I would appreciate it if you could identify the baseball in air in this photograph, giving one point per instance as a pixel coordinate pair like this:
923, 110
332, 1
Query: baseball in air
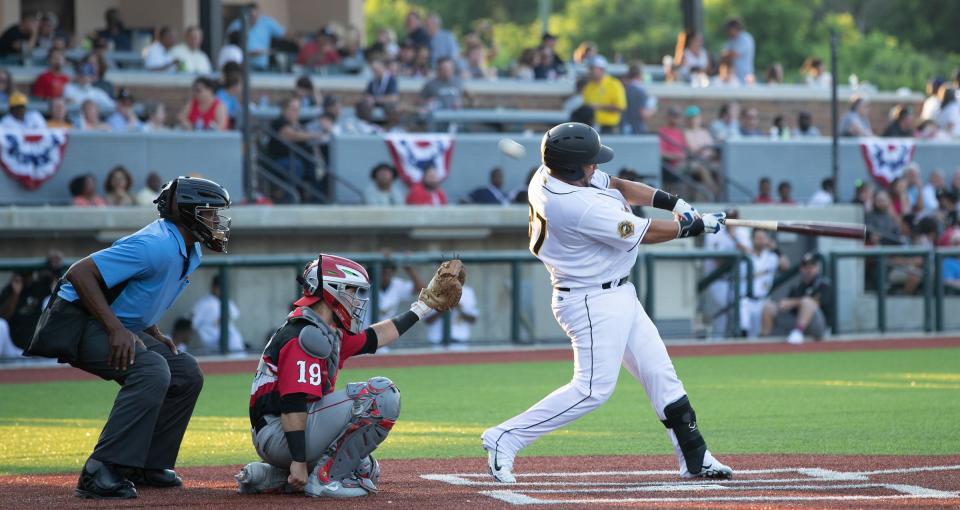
511, 148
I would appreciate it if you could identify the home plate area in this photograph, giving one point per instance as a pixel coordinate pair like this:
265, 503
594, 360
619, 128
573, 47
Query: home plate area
761, 481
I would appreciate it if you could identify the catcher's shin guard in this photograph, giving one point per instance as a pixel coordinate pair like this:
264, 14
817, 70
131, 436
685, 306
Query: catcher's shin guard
376, 406
683, 421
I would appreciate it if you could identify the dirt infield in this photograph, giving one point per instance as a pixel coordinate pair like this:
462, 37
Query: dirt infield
762, 481
65, 373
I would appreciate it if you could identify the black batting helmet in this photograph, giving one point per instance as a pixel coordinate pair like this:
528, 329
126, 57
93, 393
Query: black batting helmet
195, 203
567, 147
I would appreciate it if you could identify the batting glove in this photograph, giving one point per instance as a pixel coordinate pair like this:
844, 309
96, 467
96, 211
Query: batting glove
684, 210
713, 222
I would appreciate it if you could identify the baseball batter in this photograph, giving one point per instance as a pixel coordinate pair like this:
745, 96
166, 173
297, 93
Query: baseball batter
582, 229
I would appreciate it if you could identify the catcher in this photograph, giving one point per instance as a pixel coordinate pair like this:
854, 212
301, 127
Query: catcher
300, 425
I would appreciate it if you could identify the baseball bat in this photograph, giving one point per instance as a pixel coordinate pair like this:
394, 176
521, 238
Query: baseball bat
810, 228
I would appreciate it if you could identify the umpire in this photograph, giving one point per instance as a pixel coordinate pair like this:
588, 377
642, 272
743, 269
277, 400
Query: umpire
103, 319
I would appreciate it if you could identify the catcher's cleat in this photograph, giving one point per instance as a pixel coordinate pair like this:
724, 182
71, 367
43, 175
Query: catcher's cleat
712, 469
260, 477
320, 486
500, 467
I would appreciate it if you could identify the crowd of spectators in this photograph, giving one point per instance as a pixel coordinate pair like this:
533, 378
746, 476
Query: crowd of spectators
118, 189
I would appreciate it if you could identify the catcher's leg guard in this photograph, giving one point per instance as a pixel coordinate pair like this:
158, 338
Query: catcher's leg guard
683, 421
376, 406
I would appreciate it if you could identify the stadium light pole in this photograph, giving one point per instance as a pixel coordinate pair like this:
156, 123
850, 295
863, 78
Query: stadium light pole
544, 9
835, 146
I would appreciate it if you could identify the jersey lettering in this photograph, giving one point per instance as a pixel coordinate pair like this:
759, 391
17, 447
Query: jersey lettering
538, 222
315, 372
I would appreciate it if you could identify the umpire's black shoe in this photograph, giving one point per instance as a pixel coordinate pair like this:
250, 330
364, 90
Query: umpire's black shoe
151, 477
102, 481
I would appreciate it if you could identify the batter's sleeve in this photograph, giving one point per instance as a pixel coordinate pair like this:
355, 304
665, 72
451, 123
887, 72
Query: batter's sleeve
600, 180
607, 222
127, 259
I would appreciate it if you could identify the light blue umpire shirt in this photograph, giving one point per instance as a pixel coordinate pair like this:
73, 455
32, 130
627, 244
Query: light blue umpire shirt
155, 266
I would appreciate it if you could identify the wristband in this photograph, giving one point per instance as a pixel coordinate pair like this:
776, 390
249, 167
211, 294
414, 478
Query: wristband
664, 200
405, 321
297, 442
420, 308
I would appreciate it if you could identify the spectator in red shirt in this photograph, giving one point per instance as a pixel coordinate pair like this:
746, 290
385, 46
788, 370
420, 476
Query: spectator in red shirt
51, 82
673, 144
321, 51
427, 191
765, 192
785, 190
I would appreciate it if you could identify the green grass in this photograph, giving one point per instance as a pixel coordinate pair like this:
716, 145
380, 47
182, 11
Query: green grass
873, 402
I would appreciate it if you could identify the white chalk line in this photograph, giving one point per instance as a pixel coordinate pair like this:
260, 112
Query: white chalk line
521, 499
455, 480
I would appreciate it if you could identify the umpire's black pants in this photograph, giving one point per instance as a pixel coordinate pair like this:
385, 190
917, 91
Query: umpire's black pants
156, 399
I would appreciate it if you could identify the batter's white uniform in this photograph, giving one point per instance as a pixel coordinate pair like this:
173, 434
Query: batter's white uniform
588, 239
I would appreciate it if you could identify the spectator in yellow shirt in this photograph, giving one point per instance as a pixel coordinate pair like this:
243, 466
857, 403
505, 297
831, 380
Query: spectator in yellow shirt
606, 95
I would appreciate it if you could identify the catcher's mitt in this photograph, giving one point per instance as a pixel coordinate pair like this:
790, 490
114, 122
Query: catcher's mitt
444, 290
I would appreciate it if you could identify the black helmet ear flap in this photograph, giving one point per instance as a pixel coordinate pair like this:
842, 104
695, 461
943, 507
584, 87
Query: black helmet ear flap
166, 200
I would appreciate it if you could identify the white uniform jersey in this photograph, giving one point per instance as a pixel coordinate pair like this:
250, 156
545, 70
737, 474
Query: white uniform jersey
586, 236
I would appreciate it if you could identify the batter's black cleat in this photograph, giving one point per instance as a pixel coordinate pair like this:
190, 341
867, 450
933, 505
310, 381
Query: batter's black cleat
151, 477
102, 481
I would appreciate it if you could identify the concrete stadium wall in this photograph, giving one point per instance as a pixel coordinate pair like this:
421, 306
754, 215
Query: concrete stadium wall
806, 162
213, 155
352, 157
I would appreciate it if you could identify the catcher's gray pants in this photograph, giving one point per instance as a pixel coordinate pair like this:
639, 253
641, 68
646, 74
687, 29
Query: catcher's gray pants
156, 399
326, 419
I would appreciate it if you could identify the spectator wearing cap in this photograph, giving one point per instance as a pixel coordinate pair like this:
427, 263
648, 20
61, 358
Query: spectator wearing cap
383, 189
82, 89
931, 105
805, 127
823, 196
57, 114
637, 112
606, 95
740, 48
231, 87
18, 117
262, 30
20, 39
805, 310
51, 82
115, 32
382, 88
124, 119
157, 56
442, 42
492, 193
189, 53
901, 124
856, 122
230, 52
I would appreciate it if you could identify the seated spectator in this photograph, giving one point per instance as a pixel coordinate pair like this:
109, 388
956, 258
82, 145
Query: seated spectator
89, 119
230, 52
805, 125
49, 34
124, 119
445, 92
384, 189
528, 61
779, 130
814, 75
320, 51
725, 77
427, 191
637, 113
83, 189
606, 95
913, 190
416, 33
823, 196
204, 112
230, 91
22, 302
118, 187
21, 38
520, 194
492, 193
351, 51
576, 99
750, 122
767, 262
673, 143
384, 46
18, 117
949, 117
785, 192
182, 334
82, 89
764, 191
421, 63
382, 88
585, 52
291, 131
552, 65
884, 226
262, 30
462, 318
902, 123
6, 85
51, 82
101, 65
726, 127
158, 56
57, 114
362, 123
856, 122
149, 193
931, 192
205, 320
690, 55
475, 65
190, 54
307, 93
805, 309
931, 105
774, 74
443, 44
864, 195
156, 118
702, 152
115, 32
930, 131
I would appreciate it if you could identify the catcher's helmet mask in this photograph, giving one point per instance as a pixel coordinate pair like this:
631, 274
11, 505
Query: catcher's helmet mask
340, 283
195, 204
566, 148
